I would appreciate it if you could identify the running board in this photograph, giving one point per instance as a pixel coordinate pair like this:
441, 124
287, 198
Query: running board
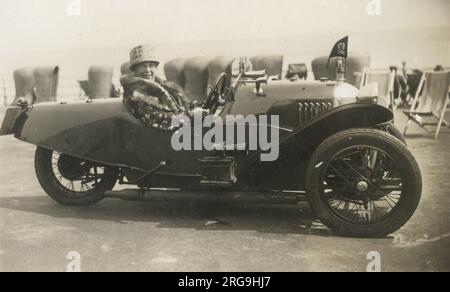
267, 197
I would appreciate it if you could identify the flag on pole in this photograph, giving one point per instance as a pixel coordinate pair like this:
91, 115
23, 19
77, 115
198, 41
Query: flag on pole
339, 49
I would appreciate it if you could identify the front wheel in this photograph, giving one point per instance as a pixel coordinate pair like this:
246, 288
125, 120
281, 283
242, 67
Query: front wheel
392, 129
72, 181
363, 183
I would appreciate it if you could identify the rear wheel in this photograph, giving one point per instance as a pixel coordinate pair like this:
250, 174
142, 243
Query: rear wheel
72, 181
363, 183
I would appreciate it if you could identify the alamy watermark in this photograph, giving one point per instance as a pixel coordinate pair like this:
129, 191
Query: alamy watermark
74, 259
74, 8
234, 133
374, 259
374, 8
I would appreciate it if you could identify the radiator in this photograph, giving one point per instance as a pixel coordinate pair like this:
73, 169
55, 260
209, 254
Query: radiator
308, 110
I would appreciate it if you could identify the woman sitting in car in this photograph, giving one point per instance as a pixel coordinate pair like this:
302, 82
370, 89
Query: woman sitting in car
150, 98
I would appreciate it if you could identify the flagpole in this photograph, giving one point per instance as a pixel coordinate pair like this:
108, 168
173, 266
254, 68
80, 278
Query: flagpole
340, 69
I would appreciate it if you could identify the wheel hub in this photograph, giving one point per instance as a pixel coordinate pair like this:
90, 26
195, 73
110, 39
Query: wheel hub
71, 168
362, 186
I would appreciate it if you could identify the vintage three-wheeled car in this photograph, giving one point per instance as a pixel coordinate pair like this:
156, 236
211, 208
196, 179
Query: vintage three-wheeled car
338, 147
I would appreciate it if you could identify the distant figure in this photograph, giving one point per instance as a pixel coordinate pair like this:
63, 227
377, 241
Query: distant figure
404, 71
401, 88
439, 68
297, 72
414, 81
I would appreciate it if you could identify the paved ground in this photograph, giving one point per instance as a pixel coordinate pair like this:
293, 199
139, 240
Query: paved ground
36, 234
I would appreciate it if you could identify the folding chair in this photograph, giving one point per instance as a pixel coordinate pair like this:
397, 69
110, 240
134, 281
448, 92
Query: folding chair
432, 103
385, 81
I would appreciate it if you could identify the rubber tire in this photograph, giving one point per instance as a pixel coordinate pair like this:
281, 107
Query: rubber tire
51, 185
412, 182
392, 129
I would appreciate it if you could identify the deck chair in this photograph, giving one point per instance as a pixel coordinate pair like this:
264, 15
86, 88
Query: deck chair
432, 103
385, 81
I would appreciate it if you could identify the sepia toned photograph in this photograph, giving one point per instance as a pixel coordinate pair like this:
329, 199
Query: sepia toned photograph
240, 137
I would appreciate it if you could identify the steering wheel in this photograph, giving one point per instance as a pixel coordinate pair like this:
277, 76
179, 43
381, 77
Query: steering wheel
217, 93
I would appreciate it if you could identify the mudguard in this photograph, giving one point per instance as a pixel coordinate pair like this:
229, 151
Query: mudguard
103, 131
297, 146
354, 115
307, 137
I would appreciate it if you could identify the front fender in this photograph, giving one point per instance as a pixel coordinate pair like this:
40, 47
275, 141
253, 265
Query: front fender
355, 115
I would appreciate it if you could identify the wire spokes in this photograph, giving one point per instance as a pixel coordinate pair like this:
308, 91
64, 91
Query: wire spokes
362, 184
74, 174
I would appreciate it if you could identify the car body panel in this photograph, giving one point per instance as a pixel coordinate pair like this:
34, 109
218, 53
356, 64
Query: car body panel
104, 131
9, 121
248, 102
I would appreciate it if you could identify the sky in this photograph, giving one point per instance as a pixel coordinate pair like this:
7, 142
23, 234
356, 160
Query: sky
29, 25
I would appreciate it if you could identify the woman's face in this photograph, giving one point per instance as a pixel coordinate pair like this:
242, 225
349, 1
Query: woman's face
146, 70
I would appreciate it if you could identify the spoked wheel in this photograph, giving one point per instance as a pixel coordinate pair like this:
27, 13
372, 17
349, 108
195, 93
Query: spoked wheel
363, 182
72, 181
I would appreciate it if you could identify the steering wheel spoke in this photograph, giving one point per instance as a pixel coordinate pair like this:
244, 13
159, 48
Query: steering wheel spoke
217, 93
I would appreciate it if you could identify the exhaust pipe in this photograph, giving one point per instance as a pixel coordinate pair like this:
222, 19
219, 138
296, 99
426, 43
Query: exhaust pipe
268, 197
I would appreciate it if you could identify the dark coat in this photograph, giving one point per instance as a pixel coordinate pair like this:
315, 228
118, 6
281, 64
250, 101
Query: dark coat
153, 102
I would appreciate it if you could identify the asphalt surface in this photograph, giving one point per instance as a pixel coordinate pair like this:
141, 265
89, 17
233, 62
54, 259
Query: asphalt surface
36, 234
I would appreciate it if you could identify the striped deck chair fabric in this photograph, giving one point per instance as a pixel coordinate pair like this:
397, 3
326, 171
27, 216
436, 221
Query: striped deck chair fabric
431, 103
385, 81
